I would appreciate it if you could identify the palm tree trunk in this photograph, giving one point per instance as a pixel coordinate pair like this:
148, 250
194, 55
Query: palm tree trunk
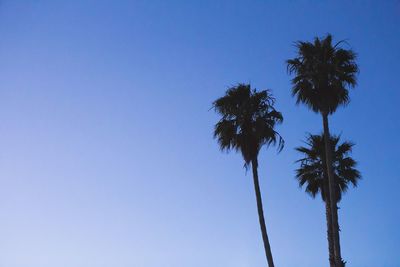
267, 247
328, 212
332, 192
336, 223
329, 226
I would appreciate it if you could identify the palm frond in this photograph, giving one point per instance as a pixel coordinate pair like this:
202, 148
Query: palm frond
248, 121
323, 73
312, 171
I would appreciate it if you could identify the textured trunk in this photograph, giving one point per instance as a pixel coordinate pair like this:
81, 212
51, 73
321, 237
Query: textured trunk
267, 247
328, 213
332, 192
329, 227
336, 224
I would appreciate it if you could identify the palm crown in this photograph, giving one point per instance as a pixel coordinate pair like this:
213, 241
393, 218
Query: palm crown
248, 121
313, 168
323, 74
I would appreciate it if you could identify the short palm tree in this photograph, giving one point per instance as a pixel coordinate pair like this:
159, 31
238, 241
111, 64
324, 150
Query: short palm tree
312, 174
323, 74
247, 123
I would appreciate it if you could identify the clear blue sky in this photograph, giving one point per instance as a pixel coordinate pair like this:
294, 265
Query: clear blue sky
106, 150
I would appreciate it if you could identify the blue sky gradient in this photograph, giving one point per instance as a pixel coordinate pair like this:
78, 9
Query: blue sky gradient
106, 150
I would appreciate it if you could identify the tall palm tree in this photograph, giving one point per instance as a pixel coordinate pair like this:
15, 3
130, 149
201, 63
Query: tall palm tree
312, 174
323, 74
247, 123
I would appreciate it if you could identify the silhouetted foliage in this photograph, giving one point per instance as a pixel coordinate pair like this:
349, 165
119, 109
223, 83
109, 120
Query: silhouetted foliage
323, 74
248, 121
312, 171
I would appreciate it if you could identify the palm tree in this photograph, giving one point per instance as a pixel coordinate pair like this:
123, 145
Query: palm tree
323, 73
247, 123
312, 174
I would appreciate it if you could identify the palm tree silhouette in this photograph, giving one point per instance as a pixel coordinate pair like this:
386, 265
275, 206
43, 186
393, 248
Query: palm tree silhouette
323, 74
312, 174
247, 123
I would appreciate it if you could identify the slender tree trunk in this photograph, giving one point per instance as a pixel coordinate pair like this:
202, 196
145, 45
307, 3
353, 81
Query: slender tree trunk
329, 226
328, 213
267, 247
336, 224
332, 192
